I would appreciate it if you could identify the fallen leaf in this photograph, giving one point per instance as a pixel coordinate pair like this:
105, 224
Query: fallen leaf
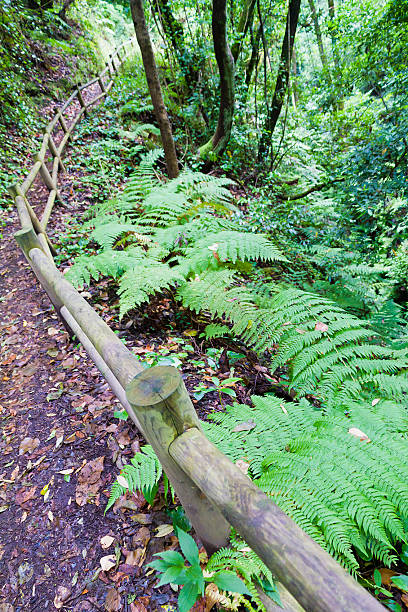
24, 495
357, 433
137, 606
323, 327
243, 466
89, 481
247, 426
112, 602
25, 573
122, 481
135, 557
386, 575
28, 445
163, 530
107, 562
107, 541
375, 401
142, 537
61, 596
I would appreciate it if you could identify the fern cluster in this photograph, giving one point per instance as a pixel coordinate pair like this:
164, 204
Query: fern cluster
182, 235
342, 479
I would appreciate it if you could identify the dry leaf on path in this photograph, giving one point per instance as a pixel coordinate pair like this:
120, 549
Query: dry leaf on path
163, 530
107, 562
89, 481
107, 541
28, 445
135, 557
138, 606
112, 602
61, 596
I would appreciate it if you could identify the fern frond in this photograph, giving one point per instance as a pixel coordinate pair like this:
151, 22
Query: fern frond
108, 263
346, 493
142, 475
148, 278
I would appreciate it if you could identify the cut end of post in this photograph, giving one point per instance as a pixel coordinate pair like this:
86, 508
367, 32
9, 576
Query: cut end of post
153, 385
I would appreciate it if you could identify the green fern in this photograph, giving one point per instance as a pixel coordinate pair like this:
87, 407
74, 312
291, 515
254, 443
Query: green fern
138, 284
242, 560
143, 475
107, 263
347, 493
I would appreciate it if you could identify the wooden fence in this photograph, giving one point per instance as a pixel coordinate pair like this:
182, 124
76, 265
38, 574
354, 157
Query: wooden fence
213, 491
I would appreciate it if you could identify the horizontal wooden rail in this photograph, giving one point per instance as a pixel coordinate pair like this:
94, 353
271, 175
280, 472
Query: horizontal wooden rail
27, 216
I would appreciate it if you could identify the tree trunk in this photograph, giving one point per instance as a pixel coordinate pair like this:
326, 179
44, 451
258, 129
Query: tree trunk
63, 12
244, 24
225, 63
320, 44
254, 56
174, 32
152, 77
282, 81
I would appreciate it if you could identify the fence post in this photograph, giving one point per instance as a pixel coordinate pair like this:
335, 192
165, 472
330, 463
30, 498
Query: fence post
54, 152
101, 84
164, 409
113, 63
81, 98
64, 126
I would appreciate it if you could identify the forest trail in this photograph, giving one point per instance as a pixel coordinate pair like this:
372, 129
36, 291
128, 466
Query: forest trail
57, 416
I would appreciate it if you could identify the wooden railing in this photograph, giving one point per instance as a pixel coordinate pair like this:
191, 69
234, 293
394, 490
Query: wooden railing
213, 491
49, 160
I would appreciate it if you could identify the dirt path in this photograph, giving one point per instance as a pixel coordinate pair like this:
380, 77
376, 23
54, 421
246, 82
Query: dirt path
60, 450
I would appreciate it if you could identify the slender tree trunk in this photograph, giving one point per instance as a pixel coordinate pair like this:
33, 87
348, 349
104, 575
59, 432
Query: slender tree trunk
226, 67
174, 32
295, 94
244, 24
332, 16
320, 44
152, 77
63, 12
254, 56
282, 81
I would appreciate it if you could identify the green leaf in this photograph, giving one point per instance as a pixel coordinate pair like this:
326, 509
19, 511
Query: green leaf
121, 414
400, 581
187, 597
174, 574
404, 554
159, 565
188, 546
228, 581
377, 578
227, 391
172, 557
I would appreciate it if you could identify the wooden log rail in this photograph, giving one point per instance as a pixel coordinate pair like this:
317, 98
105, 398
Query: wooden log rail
213, 491
49, 170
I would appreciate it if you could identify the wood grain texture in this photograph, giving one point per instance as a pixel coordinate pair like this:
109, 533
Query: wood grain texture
164, 409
